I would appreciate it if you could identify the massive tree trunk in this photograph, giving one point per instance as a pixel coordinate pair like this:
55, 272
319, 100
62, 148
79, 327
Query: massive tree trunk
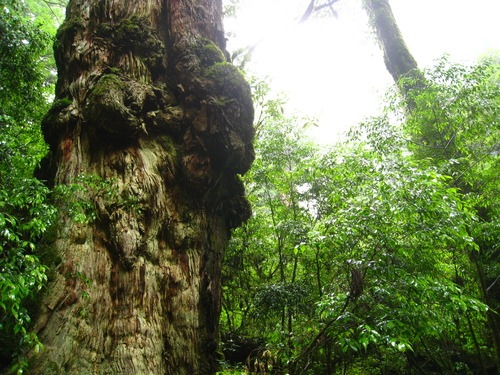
147, 102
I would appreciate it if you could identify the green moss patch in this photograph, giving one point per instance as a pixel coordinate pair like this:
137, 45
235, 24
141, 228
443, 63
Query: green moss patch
137, 35
119, 106
58, 119
70, 27
106, 109
228, 81
207, 52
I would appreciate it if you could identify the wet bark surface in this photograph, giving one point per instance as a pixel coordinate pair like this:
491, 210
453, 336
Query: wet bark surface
397, 57
145, 101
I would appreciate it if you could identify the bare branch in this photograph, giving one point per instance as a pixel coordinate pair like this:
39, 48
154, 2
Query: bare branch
312, 8
493, 283
60, 3
328, 4
308, 12
56, 3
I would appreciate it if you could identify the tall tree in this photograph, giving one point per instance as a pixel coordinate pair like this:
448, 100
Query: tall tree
146, 102
397, 57
441, 143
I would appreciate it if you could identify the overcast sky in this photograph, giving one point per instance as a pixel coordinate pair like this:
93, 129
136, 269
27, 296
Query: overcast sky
331, 67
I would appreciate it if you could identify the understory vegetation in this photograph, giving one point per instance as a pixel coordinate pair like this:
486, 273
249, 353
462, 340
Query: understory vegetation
377, 255
25, 214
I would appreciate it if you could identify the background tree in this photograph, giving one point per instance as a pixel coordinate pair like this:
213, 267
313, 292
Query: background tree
445, 126
383, 280
397, 58
263, 278
146, 103
456, 127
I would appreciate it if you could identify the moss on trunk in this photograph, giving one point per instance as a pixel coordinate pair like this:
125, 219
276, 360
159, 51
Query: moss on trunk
147, 103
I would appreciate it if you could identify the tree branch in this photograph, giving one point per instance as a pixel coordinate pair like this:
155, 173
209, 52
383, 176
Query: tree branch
308, 11
328, 4
311, 8
50, 4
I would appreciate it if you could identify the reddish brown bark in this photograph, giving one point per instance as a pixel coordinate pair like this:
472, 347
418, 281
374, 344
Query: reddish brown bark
145, 101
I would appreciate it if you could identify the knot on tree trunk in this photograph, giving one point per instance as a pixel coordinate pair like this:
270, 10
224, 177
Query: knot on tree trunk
219, 98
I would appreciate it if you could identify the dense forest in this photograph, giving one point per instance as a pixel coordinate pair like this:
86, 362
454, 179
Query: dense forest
379, 254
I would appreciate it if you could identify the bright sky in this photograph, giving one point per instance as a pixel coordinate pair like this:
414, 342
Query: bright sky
331, 67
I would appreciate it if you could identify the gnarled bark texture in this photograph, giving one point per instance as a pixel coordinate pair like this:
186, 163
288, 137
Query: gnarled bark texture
147, 102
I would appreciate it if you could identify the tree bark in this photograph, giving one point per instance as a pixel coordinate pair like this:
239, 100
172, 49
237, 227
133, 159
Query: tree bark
397, 57
146, 101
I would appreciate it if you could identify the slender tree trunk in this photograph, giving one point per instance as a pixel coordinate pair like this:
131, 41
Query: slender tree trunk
145, 101
401, 64
397, 57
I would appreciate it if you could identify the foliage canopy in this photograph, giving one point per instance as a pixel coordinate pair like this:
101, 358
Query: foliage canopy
366, 256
